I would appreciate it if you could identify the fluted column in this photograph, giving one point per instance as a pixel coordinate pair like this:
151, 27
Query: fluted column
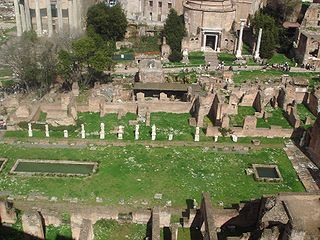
23, 18
38, 18
59, 13
70, 16
49, 18
27, 14
239, 50
18, 18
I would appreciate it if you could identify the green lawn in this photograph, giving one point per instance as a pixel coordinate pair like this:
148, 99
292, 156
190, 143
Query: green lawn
279, 58
196, 59
304, 112
56, 233
136, 173
112, 230
227, 58
278, 118
243, 111
265, 75
163, 121
184, 234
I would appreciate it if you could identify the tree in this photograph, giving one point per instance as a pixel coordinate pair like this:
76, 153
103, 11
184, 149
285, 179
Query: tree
33, 60
109, 22
270, 33
174, 31
88, 58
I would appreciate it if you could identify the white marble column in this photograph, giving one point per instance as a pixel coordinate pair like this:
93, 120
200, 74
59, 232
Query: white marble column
27, 14
59, 13
23, 18
38, 18
257, 52
70, 16
239, 50
18, 17
49, 18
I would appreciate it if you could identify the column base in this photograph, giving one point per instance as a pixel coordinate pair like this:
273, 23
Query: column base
239, 54
257, 56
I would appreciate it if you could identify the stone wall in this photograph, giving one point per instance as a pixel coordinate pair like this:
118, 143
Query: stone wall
314, 145
257, 132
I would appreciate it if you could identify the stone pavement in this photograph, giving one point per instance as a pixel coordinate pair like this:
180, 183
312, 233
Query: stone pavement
308, 172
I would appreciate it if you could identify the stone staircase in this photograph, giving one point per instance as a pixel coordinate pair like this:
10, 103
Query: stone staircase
211, 58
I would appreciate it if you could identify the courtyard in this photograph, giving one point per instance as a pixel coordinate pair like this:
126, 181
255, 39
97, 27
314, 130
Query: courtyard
133, 175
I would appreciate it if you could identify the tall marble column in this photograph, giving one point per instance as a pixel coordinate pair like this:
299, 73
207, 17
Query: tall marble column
59, 13
23, 18
257, 52
70, 16
18, 17
38, 18
49, 18
239, 50
27, 14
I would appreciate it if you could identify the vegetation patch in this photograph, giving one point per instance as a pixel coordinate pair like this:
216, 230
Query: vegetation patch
111, 229
58, 233
136, 173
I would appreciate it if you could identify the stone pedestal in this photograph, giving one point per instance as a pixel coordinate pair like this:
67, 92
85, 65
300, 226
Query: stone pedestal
234, 138
83, 132
216, 138
30, 130
120, 132
197, 135
154, 132
102, 132
136, 133
65, 134
47, 130
170, 137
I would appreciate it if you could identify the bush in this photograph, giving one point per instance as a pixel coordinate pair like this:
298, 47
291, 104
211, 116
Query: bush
175, 56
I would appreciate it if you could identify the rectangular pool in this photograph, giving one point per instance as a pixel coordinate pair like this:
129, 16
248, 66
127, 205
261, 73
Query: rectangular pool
53, 167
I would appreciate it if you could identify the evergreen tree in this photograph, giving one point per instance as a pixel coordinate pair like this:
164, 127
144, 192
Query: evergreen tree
174, 31
270, 33
109, 22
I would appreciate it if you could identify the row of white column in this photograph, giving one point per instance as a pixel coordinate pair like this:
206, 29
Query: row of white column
24, 20
239, 47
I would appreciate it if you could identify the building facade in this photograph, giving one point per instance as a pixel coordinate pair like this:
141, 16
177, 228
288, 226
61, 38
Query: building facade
308, 39
48, 17
209, 22
150, 12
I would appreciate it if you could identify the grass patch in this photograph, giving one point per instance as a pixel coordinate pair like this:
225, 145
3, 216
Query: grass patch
280, 58
304, 112
227, 58
278, 118
243, 111
61, 232
265, 75
146, 44
196, 59
136, 173
184, 234
42, 117
4, 72
110, 229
